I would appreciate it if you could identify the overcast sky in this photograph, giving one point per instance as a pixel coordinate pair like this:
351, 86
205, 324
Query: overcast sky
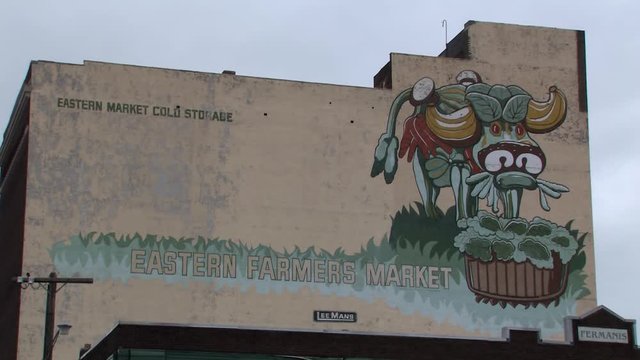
346, 42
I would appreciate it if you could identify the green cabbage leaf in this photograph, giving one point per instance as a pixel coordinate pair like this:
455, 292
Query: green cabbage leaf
487, 235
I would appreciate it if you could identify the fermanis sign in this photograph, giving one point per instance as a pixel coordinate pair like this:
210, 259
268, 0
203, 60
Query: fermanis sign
190, 239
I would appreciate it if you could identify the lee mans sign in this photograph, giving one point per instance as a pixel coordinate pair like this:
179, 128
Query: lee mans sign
334, 316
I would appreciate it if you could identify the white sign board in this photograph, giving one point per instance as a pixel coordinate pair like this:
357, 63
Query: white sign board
596, 334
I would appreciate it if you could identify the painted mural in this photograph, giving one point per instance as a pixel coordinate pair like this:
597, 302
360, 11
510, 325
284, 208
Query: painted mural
476, 264
474, 138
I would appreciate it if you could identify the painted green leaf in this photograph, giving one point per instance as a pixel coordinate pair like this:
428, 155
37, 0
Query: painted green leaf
516, 226
578, 262
515, 110
504, 250
505, 235
534, 249
436, 167
486, 108
490, 223
481, 88
434, 163
562, 241
446, 108
517, 90
479, 248
539, 230
501, 93
453, 96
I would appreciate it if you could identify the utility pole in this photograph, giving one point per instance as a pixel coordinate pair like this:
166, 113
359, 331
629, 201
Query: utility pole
51, 285
50, 315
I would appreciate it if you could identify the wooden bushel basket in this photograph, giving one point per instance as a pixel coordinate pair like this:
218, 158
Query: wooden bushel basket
507, 282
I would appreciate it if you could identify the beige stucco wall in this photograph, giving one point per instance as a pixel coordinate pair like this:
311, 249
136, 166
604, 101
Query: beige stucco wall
292, 169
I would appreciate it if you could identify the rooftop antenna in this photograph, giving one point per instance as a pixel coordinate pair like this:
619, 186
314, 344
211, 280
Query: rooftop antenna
446, 38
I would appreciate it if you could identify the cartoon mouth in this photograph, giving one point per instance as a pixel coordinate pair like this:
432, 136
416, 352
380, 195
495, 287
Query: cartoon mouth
512, 157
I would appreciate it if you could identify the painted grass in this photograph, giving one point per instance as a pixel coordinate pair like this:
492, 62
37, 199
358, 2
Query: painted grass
412, 241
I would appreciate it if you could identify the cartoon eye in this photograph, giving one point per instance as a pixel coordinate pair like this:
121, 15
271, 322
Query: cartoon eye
496, 129
520, 131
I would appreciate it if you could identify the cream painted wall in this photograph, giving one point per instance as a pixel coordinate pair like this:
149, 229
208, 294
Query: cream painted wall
291, 169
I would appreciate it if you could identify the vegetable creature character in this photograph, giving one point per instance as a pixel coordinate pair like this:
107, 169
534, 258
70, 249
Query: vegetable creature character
474, 138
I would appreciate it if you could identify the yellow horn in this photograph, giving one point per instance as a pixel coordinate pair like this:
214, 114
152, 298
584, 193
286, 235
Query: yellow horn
543, 117
459, 128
